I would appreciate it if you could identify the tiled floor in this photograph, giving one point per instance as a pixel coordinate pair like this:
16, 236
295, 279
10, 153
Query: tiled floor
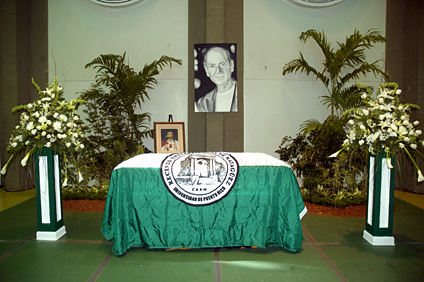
333, 250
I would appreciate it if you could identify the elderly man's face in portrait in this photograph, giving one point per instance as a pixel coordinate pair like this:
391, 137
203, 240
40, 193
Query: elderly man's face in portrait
218, 66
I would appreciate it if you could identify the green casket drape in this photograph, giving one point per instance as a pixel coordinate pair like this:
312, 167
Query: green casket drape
262, 210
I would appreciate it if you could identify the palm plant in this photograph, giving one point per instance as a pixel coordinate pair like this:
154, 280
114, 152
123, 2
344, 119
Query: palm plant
340, 68
127, 92
117, 124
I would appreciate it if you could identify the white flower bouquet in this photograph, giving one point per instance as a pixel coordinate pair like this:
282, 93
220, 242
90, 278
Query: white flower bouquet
383, 125
49, 121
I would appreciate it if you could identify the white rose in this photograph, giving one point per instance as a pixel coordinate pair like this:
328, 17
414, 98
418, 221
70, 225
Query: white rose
55, 115
81, 146
365, 112
29, 106
416, 123
63, 118
418, 132
361, 142
57, 125
43, 133
48, 144
76, 118
68, 144
381, 117
37, 114
401, 145
34, 131
364, 96
30, 125
27, 143
38, 127
14, 144
407, 139
42, 119
413, 146
398, 91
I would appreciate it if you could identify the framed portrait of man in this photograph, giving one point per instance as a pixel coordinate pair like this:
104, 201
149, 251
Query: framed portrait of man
169, 137
215, 77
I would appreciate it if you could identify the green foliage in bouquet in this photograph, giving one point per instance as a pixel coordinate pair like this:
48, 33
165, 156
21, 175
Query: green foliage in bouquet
327, 181
116, 123
383, 124
49, 121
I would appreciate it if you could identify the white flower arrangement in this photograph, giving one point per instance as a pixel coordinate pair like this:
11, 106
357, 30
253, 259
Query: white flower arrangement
49, 121
383, 125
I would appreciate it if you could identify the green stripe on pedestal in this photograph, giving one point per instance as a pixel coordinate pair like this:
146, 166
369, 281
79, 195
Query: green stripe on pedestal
49, 196
381, 180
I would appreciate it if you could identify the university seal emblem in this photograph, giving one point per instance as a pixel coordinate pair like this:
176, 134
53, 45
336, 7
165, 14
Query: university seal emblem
199, 179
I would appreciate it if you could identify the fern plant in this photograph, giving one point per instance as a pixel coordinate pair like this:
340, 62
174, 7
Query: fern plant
339, 70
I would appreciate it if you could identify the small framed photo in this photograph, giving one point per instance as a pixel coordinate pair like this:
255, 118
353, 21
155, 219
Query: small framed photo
169, 137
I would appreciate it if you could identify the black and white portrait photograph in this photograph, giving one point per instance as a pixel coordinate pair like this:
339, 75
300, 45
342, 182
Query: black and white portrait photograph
215, 77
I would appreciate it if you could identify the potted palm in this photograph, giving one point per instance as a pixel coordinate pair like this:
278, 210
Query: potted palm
340, 69
116, 121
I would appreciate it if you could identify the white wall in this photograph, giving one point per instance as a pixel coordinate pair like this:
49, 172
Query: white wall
80, 30
275, 106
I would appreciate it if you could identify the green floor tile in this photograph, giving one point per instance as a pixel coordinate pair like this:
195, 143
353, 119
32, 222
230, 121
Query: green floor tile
334, 228
161, 265
376, 263
407, 222
83, 226
53, 261
5, 247
273, 264
19, 222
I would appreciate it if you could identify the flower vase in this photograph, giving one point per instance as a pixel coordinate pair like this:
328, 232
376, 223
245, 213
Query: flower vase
49, 195
381, 182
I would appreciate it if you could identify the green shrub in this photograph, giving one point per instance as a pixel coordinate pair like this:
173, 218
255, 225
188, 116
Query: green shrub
337, 181
116, 124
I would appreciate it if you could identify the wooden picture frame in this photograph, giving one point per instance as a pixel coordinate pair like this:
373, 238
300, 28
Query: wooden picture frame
169, 137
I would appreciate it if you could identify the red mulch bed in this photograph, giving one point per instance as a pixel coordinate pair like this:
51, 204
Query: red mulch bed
355, 211
98, 206
84, 205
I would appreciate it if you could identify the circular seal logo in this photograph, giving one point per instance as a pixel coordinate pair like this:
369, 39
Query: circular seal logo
199, 179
